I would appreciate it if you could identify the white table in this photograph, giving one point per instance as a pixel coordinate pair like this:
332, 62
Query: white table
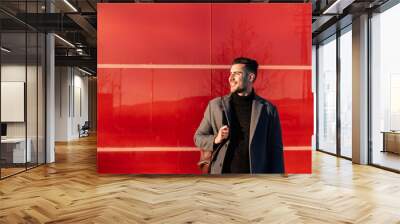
18, 149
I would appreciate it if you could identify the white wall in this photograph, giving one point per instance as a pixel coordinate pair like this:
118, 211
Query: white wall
61, 103
71, 93
80, 89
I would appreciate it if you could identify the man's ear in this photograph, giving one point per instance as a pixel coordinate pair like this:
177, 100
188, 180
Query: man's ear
252, 77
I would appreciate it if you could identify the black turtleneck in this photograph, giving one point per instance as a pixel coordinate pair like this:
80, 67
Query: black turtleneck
237, 157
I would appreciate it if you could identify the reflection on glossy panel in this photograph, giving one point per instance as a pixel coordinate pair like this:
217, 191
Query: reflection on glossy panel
274, 34
143, 160
140, 107
124, 107
291, 92
178, 98
154, 34
150, 107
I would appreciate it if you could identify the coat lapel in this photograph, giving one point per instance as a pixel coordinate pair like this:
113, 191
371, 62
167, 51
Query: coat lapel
255, 116
226, 106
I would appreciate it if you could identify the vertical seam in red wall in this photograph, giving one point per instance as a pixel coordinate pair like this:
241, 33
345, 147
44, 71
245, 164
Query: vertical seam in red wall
210, 58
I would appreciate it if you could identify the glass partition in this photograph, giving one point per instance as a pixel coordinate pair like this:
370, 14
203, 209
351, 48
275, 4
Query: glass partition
346, 93
327, 95
385, 89
14, 153
22, 90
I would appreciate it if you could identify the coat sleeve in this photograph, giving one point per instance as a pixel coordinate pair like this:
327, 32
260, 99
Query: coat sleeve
277, 145
204, 136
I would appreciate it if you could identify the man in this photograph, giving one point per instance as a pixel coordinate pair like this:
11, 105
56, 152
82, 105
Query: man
242, 129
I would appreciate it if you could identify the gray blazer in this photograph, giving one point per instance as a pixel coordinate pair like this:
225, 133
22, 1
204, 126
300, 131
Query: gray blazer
265, 140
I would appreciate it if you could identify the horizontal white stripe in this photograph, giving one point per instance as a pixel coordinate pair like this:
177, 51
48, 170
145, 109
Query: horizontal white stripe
182, 149
197, 66
147, 149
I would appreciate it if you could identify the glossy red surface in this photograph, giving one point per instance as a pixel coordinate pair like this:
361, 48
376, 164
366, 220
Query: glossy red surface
179, 160
150, 161
152, 93
149, 33
298, 162
274, 34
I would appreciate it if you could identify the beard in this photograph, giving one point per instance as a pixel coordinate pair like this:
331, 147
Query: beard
240, 90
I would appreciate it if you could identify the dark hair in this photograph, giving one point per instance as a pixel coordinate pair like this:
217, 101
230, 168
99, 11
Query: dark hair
251, 65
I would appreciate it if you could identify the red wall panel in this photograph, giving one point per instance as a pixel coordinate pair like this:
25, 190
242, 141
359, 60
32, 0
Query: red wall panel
160, 64
154, 33
274, 34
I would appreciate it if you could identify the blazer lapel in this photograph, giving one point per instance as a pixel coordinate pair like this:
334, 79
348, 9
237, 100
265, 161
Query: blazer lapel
255, 116
226, 106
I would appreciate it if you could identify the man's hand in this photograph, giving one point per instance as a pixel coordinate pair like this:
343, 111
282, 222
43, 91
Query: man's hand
223, 133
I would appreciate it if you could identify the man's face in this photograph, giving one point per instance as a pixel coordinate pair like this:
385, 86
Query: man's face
238, 80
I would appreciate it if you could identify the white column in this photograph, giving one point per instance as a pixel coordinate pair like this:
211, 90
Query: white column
50, 110
360, 90
50, 91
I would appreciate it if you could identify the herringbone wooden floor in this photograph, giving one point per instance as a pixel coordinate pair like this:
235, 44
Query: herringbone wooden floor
70, 191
